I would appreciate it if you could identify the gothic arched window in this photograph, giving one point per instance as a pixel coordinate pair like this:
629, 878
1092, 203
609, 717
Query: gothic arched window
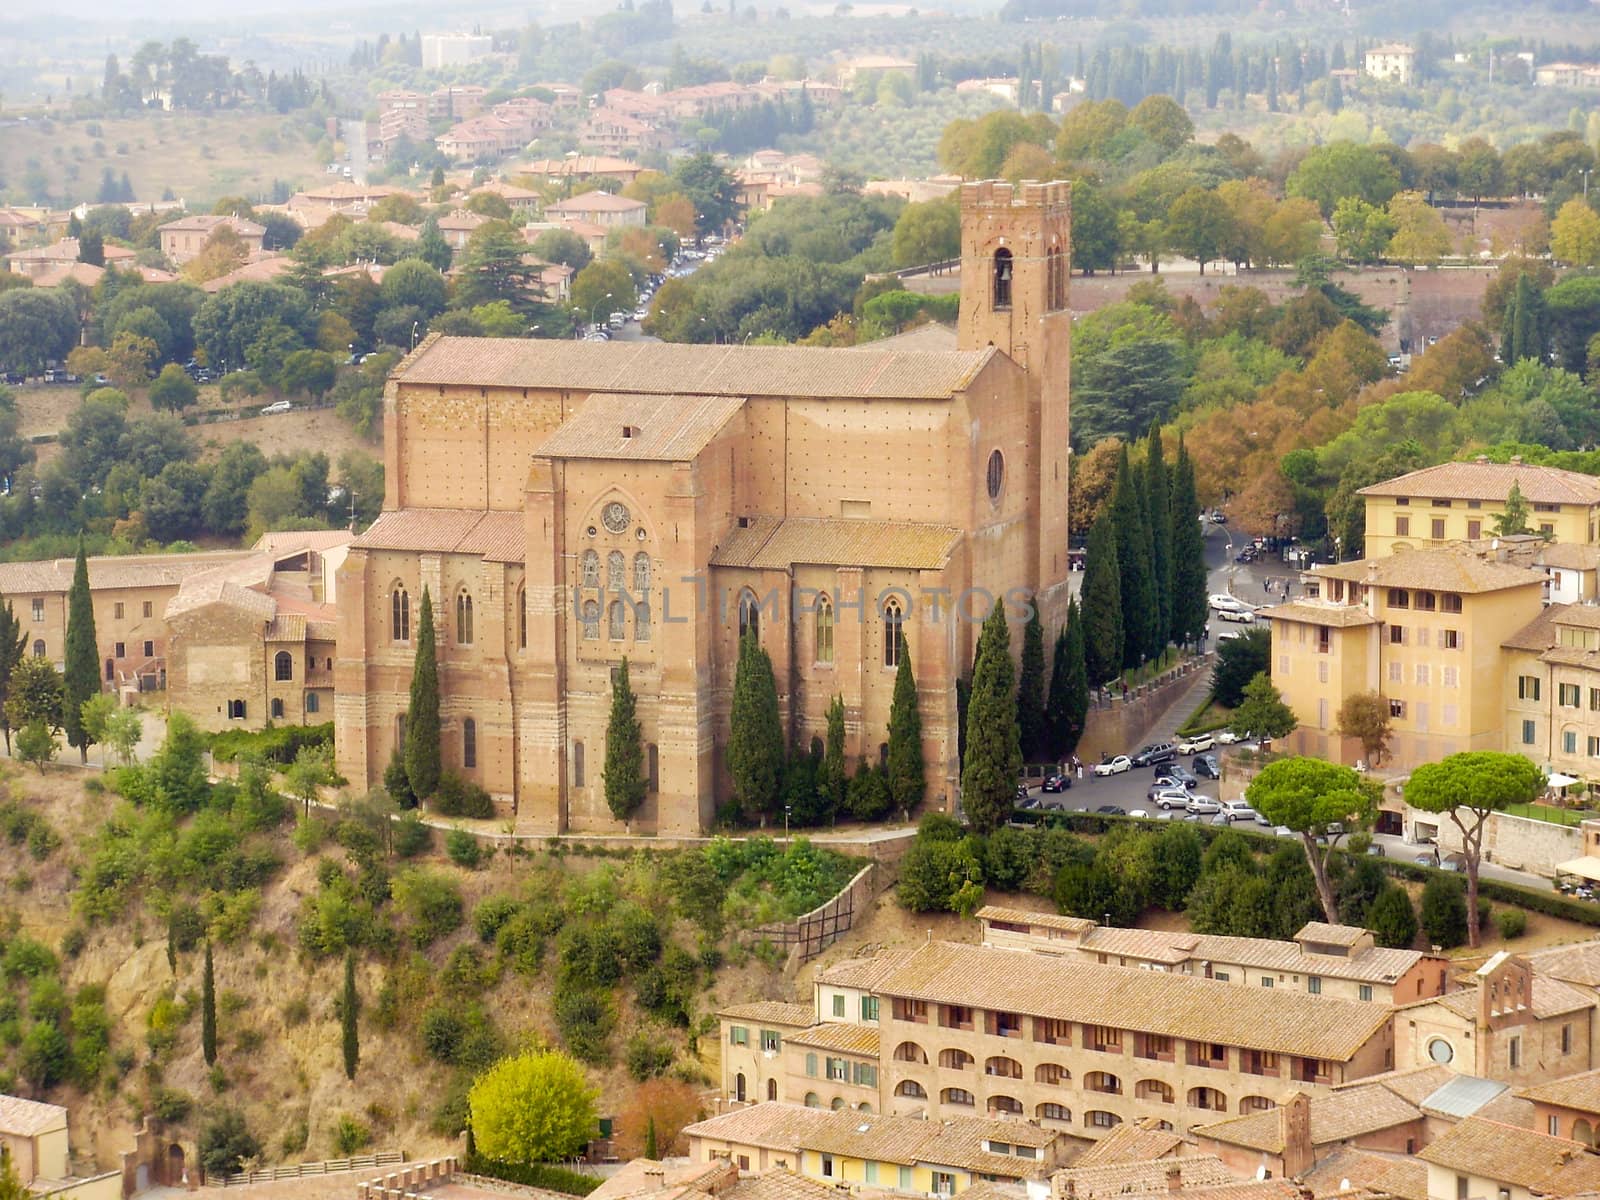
1002, 278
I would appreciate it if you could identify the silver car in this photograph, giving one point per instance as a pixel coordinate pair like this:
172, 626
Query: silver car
1201, 806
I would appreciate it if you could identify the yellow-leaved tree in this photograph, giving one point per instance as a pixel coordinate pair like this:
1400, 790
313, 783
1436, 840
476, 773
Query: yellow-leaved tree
536, 1106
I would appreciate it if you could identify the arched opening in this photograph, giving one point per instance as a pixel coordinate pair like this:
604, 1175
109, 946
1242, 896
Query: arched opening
1098, 1118
864, 1107
175, 1174
463, 618
955, 1060
1056, 277
616, 622
1208, 1098
1051, 1111
1005, 1068
590, 569
816, 747
1103, 1081
641, 621
616, 572
1154, 1091
1583, 1131
824, 629
641, 573
910, 1052
838, 1104
399, 614
893, 632
749, 615
1005, 1104
1002, 278
276, 708
38, 647
813, 1100
911, 1088
1255, 1104
772, 1089
591, 620
1052, 1073
652, 767
283, 666
957, 1096
469, 743
111, 670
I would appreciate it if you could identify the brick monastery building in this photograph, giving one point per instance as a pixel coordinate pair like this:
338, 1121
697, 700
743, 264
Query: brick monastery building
567, 504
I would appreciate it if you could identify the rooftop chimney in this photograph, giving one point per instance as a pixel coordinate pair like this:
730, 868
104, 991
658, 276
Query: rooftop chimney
1294, 1127
1174, 1178
1482, 458
1516, 460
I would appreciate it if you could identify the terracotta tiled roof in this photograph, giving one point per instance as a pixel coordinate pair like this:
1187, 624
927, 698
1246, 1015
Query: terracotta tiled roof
1132, 1141
1337, 616
262, 270
1348, 1169
220, 589
665, 367
1131, 1177
840, 1036
770, 544
779, 1184
111, 571
1569, 556
658, 428
1583, 616
1446, 570
880, 1138
1335, 1117
289, 541
1407, 1179
1571, 656
580, 164
596, 202
1551, 998
771, 1012
1492, 481
1045, 920
650, 1177
863, 973
1325, 934
1254, 1189
85, 273
1184, 1006
1575, 1091
206, 223
1413, 1086
30, 1117
930, 335
1520, 1157
495, 536
1577, 963
1539, 633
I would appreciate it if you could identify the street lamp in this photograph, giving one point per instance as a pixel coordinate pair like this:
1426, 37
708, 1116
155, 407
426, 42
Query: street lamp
786, 823
596, 305
1587, 171
414, 325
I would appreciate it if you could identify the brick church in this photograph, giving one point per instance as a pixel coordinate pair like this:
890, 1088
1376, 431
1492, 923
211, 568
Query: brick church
567, 504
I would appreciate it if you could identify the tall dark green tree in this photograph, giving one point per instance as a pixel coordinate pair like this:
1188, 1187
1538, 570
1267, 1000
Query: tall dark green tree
1188, 553
993, 761
755, 734
907, 779
624, 773
422, 717
349, 1010
1524, 333
81, 677
432, 247
1158, 494
832, 781
208, 1011
1139, 610
1032, 720
1071, 680
13, 643
1102, 602
1055, 707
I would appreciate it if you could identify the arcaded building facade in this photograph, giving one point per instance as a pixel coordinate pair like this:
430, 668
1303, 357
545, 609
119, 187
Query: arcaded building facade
567, 504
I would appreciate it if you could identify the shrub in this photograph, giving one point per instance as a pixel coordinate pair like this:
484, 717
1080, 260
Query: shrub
279, 744
170, 1105
534, 1107
411, 836
646, 1057
296, 1012
1444, 911
349, 1135
224, 1141
535, 1175
585, 1017
431, 902
73, 942
1392, 919
463, 849
1512, 922
444, 1030
492, 913
458, 797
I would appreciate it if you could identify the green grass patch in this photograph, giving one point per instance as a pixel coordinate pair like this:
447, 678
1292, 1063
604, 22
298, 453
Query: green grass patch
1550, 813
1208, 718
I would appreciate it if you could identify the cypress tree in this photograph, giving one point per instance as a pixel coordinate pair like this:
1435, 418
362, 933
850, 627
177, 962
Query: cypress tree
81, 676
1188, 554
1158, 491
907, 780
650, 1146
1032, 720
1155, 641
755, 734
624, 772
347, 1016
422, 717
12, 644
1133, 564
1524, 327
993, 762
208, 1012
1077, 684
1102, 602
1055, 708
831, 778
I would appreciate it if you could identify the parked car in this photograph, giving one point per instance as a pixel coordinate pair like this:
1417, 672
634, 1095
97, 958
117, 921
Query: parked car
1202, 806
1242, 616
1196, 743
1170, 798
1223, 602
1238, 810
1140, 813
1165, 780
1205, 766
1219, 517
1149, 756
1110, 810
1228, 737
282, 406
1114, 766
1261, 820
1056, 782
1184, 776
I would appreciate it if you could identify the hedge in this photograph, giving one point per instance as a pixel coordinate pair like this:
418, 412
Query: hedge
539, 1175
278, 744
1551, 904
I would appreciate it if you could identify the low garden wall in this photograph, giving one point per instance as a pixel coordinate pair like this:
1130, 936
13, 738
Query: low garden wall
1119, 722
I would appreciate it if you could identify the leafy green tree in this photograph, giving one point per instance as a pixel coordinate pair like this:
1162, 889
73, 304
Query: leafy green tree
492, 267
564, 247
1514, 518
225, 1143
81, 678
1309, 796
311, 771
349, 1009
1444, 912
1339, 169
1365, 717
755, 735
231, 325
906, 774
36, 744
1261, 710
1199, 226
172, 389
711, 188
37, 326
208, 1011
1575, 235
1232, 901
993, 760
831, 782
929, 232
309, 371
624, 773
1188, 553
1392, 919
432, 247
535, 1106
35, 694
1524, 333
603, 287
1164, 121
1469, 787
422, 715
1239, 660
1031, 714
1420, 234
1361, 231
868, 798
1102, 602
11, 1185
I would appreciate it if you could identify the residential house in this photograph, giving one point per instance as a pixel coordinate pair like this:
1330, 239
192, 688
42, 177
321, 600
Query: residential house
1424, 629
576, 168
617, 133
1133, 1177
1511, 1025
1464, 501
441, 50
41, 260
1552, 690
599, 208
865, 1150
753, 1036
1392, 62
36, 1135
183, 239
1483, 1158
457, 225
1559, 74
874, 64
1568, 1107
1341, 961
519, 199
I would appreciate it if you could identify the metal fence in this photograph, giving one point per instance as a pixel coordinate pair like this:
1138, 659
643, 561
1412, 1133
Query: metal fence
332, 1166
